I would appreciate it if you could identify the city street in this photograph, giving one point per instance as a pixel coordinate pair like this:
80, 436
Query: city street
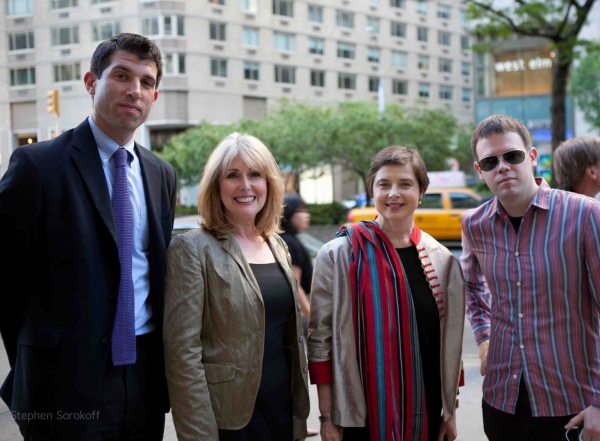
470, 426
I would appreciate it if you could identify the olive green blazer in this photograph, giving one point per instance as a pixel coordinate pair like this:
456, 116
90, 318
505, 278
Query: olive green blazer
213, 336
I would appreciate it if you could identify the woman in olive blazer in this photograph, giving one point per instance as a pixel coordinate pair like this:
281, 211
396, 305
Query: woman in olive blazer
234, 350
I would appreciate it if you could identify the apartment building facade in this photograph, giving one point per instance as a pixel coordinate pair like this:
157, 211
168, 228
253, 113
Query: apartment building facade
232, 59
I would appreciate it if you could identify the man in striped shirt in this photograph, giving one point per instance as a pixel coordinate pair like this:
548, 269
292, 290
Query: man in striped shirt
531, 263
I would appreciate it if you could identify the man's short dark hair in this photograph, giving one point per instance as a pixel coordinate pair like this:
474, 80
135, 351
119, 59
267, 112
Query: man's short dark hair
572, 158
499, 124
132, 43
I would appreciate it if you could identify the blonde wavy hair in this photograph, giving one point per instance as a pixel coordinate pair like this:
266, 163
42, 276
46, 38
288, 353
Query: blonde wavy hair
258, 157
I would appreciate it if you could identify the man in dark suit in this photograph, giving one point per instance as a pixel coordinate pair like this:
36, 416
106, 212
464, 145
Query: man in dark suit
85, 220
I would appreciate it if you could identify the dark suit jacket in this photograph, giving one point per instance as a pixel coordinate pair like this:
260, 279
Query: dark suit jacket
60, 276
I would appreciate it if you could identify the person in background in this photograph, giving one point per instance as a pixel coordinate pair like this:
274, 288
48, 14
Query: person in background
387, 317
577, 165
531, 265
85, 221
234, 349
296, 218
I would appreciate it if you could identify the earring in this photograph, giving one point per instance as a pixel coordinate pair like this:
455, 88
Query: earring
420, 201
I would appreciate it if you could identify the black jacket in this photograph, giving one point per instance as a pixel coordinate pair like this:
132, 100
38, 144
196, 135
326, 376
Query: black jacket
60, 277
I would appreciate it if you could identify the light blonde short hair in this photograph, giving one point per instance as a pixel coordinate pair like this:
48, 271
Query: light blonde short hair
258, 157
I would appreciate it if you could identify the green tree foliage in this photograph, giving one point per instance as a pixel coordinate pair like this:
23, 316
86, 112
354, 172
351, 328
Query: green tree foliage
189, 151
558, 21
585, 86
303, 136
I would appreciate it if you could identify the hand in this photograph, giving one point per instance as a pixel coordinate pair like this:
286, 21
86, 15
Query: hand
448, 429
591, 423
331, 432
483, 355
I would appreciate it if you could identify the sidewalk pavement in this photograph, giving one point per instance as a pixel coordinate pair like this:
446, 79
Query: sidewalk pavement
469, 422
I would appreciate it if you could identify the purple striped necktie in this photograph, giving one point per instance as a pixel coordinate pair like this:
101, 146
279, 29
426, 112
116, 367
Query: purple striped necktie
123, 336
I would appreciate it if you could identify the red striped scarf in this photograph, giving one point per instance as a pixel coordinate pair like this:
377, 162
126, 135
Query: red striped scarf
387, 343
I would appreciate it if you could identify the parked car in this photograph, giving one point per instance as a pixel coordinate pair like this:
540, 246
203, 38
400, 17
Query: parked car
186, 223
439, 213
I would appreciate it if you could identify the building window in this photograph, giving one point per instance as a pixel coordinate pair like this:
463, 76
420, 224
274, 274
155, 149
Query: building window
346, 81
283, 7
466, 68
481, 85
18, 7
345, 19
423, 90
346, 50
465, 42
174, 64
105, 30
373, 84
445, 65
23, 76
446, 92
284, 42
444, 11
373, 2
373, 54
422, 6
373, 25
399, 59
251, 71
217, 2
466, 95
60, 4
218, 67
96, 2
315, 13
398, 29
398, 4
20, 41
423, 61
422, 34
444, 38
464, 18
67, 72
250, 37
285, 74
316, 46
163, 26
250, 6
218, 31
317, 78
399, 87
65, 36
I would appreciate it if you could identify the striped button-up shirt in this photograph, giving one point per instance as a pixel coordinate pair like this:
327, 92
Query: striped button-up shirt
539, 307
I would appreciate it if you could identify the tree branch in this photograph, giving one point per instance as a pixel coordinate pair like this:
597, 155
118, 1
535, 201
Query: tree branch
582, 13
543, 23
564, 23
509, 21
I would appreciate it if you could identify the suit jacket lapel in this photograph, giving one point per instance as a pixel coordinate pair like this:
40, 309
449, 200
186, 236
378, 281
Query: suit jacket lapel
231, 247
151, 179
281, 258
87, 160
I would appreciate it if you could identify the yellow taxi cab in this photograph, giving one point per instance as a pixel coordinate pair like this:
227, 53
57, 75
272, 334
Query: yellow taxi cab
438, 215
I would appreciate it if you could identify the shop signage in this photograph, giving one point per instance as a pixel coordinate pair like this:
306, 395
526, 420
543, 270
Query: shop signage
520, 64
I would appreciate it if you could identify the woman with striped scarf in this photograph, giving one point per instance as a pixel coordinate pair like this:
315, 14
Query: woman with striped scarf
387, 317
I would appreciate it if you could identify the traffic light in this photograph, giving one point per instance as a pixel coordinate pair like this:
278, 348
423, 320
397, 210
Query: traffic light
53, 102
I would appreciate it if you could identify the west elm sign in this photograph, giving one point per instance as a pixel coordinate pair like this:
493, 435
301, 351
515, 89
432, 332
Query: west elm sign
520, 64
523, 72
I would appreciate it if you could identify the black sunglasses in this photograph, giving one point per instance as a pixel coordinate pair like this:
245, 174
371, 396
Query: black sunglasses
512, 157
